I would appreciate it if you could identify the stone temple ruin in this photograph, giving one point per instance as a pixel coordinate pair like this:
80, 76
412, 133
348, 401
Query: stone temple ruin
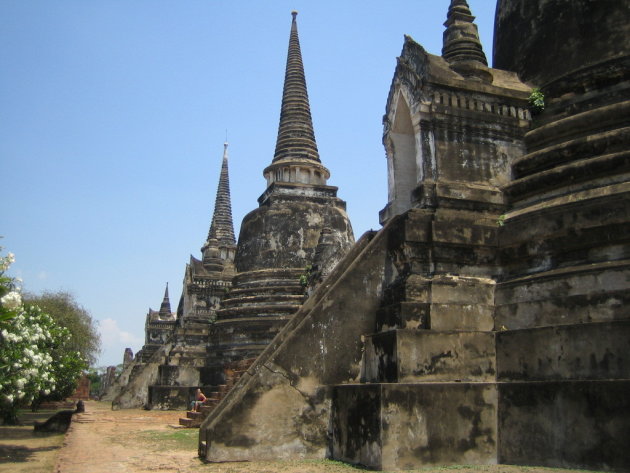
172, 361
238, 297
487, 321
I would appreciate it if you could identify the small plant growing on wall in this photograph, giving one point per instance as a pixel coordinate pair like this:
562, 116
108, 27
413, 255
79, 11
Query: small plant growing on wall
304, 277
536, 101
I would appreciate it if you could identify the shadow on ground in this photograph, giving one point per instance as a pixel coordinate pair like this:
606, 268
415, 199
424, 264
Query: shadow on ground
20, 453
20, 444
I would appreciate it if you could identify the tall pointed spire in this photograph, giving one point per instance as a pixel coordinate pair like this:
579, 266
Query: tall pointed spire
220, 245
165, 308
222, 227
296, 159
296, 138
462, 46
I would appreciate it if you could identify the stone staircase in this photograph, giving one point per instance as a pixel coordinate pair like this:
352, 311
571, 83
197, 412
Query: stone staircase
427, 392
194, 419
214, 394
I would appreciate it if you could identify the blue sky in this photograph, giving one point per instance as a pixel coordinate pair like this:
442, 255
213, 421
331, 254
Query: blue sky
113, 116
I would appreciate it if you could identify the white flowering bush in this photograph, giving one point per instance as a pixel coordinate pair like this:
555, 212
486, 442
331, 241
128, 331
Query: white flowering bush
35, 362
26, 365
10, 298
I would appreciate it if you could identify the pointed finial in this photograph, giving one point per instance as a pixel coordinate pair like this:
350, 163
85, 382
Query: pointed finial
221, 226
461, 38
296, 138
294, 14
462, 46
165, 307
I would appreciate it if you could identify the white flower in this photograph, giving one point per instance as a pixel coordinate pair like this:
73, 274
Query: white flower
6, 261
12, 300
9, 397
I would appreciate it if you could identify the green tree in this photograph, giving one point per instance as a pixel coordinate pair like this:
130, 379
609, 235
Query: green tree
95, 376
66, 312
39, 357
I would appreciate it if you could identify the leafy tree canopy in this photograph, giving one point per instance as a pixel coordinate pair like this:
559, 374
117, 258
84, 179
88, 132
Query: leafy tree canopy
40, 358
66, 312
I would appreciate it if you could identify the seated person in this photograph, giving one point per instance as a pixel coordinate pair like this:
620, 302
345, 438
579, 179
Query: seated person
199, 400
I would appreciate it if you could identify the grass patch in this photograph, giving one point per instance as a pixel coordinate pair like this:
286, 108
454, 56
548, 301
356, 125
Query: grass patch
179, 439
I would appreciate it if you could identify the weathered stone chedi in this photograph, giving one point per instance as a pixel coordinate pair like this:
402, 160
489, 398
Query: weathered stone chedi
488, 320
237, 298
284, 230
173, 361
278, 241
158, 326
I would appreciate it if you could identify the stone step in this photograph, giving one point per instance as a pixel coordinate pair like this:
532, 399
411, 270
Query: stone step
411, 356
237, 373
290, 279
208, 408
261, 290
275, 299
414, 288
404, 315
194, 415
424, 424
439, 303
257, 310
240, 365
190, 423
266, 274
565, 352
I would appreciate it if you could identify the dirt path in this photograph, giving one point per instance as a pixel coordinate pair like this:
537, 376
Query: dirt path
138, 441
104, 441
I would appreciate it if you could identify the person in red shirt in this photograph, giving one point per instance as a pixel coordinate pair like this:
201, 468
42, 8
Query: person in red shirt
200, 398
